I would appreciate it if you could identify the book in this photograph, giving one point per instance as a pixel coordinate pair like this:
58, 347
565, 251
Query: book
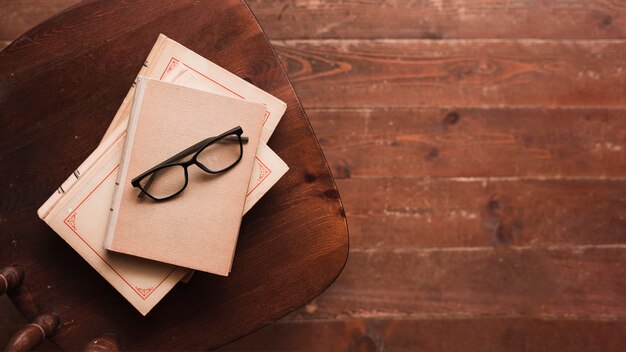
197, 229
79, 213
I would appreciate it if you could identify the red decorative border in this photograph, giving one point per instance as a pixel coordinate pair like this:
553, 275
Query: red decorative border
143, 293
174, 62
267, 116
262, 177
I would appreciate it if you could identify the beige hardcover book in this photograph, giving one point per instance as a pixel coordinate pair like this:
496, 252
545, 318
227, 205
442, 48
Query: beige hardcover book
79, 211
197, 229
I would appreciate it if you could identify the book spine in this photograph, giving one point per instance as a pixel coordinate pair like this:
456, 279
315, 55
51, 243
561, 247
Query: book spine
121, 176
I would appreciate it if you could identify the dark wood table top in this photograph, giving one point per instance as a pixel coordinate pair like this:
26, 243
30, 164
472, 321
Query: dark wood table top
60, 85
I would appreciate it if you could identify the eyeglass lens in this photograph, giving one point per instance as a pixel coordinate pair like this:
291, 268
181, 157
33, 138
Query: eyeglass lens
221, 155
164, 182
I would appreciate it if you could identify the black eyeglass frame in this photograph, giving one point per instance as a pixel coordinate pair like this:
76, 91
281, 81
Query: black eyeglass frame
197, 148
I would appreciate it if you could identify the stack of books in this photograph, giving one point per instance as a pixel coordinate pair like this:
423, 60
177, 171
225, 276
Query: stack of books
164, 193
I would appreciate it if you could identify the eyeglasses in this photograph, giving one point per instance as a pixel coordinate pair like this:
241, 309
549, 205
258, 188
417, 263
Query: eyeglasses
213, 155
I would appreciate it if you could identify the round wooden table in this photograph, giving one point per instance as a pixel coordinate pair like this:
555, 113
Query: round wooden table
60, 85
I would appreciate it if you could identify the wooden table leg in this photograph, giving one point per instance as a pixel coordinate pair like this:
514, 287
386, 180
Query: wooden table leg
10, 278
33, 334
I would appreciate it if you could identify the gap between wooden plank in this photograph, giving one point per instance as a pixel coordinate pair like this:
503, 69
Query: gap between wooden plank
299, 317
513, 248
469, 179
374, 109
340, 42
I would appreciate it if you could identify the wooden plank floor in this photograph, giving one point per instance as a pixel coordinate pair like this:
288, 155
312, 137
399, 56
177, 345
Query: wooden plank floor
480, 150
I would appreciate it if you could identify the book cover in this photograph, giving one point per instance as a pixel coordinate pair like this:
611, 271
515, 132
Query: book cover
197, 229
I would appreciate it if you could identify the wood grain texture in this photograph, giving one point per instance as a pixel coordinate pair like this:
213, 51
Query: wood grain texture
595, 19
400, 213
18, 16
562, 282
77, 67
483, 334
525, 143
459, 73
480, 151
458, 19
